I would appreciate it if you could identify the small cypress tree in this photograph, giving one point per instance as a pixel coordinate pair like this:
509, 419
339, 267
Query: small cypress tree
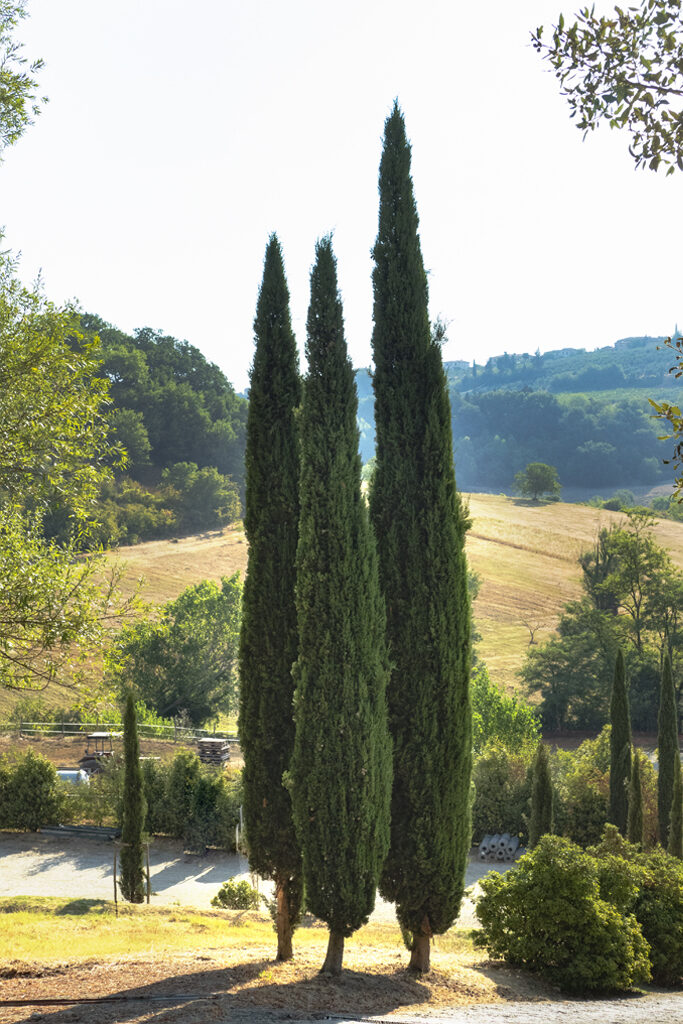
268, 639
541, 818
132, 876
620, 748
667, 743
675, 846
634, 824
341, 769
420, 525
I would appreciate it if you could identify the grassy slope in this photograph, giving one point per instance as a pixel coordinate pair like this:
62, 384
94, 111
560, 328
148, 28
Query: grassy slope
526, 557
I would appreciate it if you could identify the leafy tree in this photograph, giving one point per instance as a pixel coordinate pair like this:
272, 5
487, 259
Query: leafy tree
204, 498
134, 809
620, 747
495, 715
625, 68
541, 818
634, 823
19, 103
341, 767
537, 479
675, 845
186, 659
420, 526
127, 429
268, 639
667, 744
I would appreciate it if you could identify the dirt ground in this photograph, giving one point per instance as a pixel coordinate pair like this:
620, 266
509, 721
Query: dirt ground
64, 752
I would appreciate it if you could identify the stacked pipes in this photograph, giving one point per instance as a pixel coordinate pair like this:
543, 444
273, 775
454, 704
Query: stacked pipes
499, 847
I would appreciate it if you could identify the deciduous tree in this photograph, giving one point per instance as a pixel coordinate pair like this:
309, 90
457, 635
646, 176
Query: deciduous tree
537, 479
420, 526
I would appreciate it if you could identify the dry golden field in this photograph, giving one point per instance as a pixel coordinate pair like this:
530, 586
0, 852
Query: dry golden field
526, 556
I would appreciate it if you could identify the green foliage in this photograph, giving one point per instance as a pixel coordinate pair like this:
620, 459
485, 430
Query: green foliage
634, 822
537, 479
501, 777
269, 636
29, 794
237, 896
498, 716
341, 765
541, 817
675, 845
620, 748
131, 880
667, 747
420, 525
624, 68
185, 660
19, 103
550, 916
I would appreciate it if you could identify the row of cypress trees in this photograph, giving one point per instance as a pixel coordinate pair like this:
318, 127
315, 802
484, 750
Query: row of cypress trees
373, 619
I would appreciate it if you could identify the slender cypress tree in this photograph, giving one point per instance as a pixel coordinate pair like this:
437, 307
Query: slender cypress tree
268, 640
420, 526
675, 846
620, 748
541, 818
134, 810
341, 769
634, 824
667, 742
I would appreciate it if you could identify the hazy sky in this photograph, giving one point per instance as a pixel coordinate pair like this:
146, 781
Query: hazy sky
179, 135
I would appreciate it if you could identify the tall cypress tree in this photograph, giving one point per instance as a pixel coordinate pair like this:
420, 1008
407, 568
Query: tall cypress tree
268, 640
634, 824
675, 845
667, 743
134, 809
420, 526
341, 769
620, 748
541, 818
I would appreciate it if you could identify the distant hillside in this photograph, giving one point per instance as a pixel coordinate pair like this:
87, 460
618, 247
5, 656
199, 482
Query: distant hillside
586, 413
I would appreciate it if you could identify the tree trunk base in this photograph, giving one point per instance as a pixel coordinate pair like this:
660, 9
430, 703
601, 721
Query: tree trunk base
420, 953
283, 924
335, 955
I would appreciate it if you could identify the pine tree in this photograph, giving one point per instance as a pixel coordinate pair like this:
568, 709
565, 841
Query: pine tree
634, 824
620, 748
134, 810
675, 845
541, 818
268, 640
667, 742
420, 526
341, 769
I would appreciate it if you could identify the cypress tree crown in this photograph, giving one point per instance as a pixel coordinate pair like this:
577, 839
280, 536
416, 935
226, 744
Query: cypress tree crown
134, 810
634, 825
620, 748
341, 769
541, 818
420, 528
667, 742
268, 639
675, 844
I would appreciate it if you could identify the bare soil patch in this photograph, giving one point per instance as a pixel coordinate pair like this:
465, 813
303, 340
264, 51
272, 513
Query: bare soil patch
65, 751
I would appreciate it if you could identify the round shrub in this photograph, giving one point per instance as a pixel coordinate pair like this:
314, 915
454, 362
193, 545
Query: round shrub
237, 896
29, 793
548, 915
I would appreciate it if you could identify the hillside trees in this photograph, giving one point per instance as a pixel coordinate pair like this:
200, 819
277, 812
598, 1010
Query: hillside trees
269, 638
341, 767
420, 527
184, 661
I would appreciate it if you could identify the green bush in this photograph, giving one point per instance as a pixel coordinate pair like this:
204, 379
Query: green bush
29, 794
497, 716
502, 789
548, 915
237, 896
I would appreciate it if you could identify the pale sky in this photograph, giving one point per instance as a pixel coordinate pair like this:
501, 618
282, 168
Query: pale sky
179, 135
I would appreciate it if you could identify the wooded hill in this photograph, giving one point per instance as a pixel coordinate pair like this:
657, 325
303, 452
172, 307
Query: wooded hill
586, 413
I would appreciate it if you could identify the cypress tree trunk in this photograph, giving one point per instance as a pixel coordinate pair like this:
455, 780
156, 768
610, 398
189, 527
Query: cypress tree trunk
667, 742
134, 809
675, 845
335, 954
620, 748
268, 639
421, 949
634, 825
541, 818
341, 769
420, 528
